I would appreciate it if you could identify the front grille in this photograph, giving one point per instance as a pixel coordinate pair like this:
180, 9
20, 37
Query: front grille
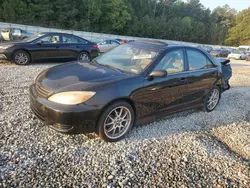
42, 91
39, 114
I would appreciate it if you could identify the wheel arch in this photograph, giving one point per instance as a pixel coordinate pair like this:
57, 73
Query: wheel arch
21, 49
85, 52
125, 99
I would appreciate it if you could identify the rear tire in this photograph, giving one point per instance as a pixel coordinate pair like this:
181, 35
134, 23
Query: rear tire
83, 56
21, 58
212, 99
116, 121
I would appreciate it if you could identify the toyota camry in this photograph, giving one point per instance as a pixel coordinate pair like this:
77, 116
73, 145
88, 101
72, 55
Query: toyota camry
132, 84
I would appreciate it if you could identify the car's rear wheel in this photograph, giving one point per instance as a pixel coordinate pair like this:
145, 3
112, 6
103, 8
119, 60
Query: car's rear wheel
212, 99
116, 121
21, 58
83, 56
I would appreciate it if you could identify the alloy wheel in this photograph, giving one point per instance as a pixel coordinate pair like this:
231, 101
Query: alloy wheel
83, 57
213, 99
21, 58
117, 122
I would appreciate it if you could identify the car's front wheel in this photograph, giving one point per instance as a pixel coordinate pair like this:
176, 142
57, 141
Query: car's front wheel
116, 121
21, 58
212, 99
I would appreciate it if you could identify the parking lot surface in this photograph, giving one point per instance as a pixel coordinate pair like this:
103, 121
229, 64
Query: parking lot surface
191, 148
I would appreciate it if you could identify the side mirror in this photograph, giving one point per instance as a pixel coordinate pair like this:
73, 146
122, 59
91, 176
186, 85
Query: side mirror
158, 74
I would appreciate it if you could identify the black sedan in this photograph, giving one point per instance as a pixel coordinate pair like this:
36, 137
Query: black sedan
48, 46
132, 84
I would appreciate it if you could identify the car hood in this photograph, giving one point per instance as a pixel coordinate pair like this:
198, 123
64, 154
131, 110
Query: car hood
77, 76
12, 42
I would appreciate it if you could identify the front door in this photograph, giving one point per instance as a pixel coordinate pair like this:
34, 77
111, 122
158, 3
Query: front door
47, 48
166, 94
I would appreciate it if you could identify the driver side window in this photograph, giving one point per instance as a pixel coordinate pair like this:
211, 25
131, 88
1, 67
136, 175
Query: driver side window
172, 62
50, 39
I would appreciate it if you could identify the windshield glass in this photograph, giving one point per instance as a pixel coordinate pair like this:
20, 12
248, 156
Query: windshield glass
128, 58
33, 37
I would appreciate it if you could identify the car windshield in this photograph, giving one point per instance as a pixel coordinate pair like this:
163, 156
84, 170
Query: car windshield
33, 37
128, 58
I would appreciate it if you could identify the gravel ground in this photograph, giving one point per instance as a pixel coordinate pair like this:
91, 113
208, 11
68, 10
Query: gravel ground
188, 149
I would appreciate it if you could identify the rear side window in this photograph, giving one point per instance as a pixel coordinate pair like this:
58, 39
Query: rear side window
106, 42
113, 42
198, 61
72, 39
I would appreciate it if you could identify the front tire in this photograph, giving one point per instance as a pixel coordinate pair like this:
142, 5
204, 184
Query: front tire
116, 121
212, 99
21, 58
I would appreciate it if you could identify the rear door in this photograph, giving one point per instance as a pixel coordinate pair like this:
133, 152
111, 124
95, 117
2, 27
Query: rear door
71, 46
166, 94
202, 75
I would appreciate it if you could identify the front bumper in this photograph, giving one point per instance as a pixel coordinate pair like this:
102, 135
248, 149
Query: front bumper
63, 118
5, 55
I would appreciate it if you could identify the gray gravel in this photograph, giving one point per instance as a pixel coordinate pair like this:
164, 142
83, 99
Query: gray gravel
189, 149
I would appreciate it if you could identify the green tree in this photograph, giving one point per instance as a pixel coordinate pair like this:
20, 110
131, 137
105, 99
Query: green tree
163, 19
240, 33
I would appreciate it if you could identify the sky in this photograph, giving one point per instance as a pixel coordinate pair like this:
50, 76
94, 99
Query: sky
237, 4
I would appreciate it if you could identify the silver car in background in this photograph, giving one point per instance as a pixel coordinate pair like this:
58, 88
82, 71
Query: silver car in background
107, 44
237, 54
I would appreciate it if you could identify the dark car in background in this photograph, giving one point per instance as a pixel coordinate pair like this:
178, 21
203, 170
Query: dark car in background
122, 41
132, 84
206, 48
49, 46
220, 53
12, 34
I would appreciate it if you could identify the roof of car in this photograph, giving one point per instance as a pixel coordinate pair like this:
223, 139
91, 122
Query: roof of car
153, 42
55, 33
161, 44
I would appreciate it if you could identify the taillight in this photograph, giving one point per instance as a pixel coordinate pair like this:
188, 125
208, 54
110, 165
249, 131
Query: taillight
95, 46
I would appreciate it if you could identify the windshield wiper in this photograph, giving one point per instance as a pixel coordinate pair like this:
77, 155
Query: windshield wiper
109, 66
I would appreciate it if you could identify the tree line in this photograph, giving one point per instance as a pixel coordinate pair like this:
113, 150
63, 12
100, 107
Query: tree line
164, 19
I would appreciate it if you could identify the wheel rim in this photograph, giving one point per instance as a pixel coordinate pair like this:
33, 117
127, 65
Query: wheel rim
117, 122
21, 58
83, 57
213, 99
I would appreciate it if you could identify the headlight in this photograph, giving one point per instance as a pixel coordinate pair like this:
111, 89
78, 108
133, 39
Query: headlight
72, 97
6, 46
